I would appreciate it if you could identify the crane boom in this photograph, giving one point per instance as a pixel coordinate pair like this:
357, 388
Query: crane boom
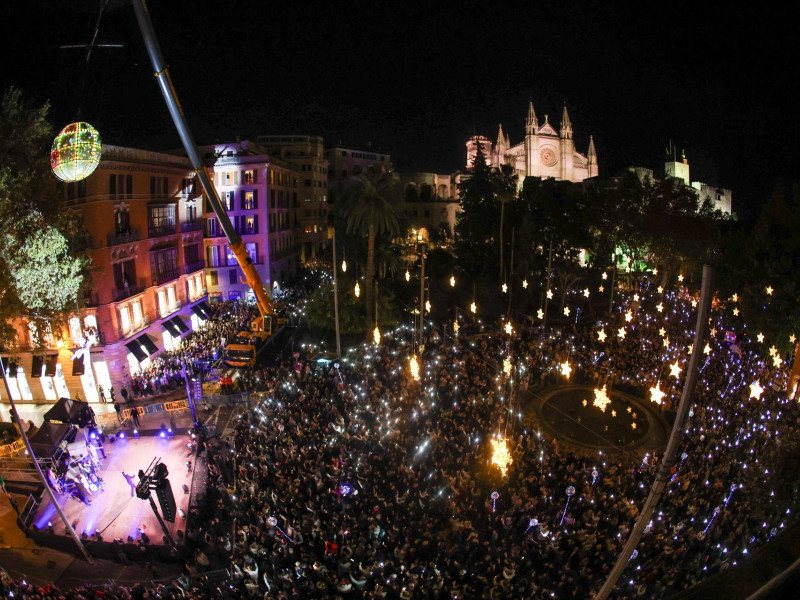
235, 242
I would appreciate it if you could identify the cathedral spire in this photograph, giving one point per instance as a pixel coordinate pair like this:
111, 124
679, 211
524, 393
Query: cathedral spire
532, 124
592, 154
566, 125
501, 138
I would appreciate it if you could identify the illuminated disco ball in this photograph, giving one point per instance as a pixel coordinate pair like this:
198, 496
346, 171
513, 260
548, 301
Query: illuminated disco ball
76, 152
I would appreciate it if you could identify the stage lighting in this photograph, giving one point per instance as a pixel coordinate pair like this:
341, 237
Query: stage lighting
163, 434
136, 434
122, 435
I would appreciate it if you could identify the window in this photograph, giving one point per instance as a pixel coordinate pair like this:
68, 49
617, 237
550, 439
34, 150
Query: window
75, 331
308, 229
90, 321
272, 198
158, 186
191, 254
119, 186
190, 283
249, 177
230, 178
252, 252
230, 257
212, 228
124, 319
227, 198
232, 277
137, 313
162, 302
164, 264
249, 200
125, 276
214, 278
173, 301
249, 225
191, 212
307, 183
122, 221
188, 187
212, 256
76, 190
161, 219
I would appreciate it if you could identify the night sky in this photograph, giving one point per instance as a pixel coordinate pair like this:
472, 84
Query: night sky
417, 79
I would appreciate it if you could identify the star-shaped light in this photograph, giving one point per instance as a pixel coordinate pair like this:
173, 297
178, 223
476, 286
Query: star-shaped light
690, 349
601, 399
509, 329
452, 281
601, 335
792, 338
660, 307
660, 290
549, 294
507, 366
601, 289
504, 287
586, 292
655, 271
524, 284
773, 351
776, 361
408, 275
680, 277
427, 306
756, 390
585, 402
707, 349
769, 290
604, 275
633, 425
540, 313
735, 312
473, 308
666, 342
735, 297
357, 290
713, 332
694, 303
500, 454
760, 338
656, 395
662, 332
675, 369
621, 333
629, 409
566, 370
376, 335
566, 311
636, 297
613, 413
628, 317
455, 327
344, 266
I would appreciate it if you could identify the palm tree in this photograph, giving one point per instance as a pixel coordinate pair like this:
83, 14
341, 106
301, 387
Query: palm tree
370, 210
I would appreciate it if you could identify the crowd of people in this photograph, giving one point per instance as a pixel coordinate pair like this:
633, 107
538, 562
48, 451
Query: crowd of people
355, 480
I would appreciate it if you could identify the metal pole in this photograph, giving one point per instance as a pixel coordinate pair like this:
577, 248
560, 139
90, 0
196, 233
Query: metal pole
45, 483
189, 395
212, 197
336, 299
663, 473
549, 272
613, 277
422, 299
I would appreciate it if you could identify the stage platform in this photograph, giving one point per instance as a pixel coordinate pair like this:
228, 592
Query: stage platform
115, 511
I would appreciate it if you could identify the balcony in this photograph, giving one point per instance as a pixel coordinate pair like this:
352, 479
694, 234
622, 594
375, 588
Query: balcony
115, 239
134, 327
193, 266
191, 226
162, 229
160, 277
127, 292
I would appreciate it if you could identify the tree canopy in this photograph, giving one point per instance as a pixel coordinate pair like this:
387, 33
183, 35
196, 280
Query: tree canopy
42, 271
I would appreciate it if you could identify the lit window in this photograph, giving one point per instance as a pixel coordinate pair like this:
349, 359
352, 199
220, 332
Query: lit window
137, 313
125, 319
162, 302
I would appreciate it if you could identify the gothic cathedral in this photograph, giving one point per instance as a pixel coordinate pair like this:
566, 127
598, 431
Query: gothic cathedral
544, 153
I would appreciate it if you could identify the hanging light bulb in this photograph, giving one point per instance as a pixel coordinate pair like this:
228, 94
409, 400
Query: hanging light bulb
408, 275
509, 329
344, 266
376, 335
525, 284
357, 290
427, 306
452, 281
473, 308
